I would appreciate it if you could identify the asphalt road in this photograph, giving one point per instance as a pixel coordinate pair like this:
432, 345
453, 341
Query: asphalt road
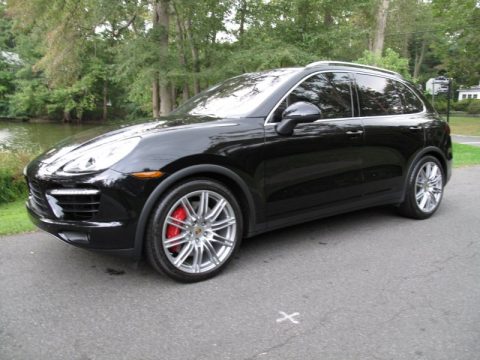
469, 140
367, 285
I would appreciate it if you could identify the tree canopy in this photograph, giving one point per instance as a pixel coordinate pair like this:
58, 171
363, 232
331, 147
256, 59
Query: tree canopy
100, 59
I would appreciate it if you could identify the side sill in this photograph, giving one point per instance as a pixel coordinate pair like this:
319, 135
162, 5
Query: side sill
324, 212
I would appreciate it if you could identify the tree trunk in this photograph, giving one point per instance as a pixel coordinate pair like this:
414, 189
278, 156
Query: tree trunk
163, 22
173, 94
155, 82
105, 100
243, 14
67, 116
195, 58
419, 60
182, 58
79, 117
155, 96
196, 69
165, 99
379, 39
404, 51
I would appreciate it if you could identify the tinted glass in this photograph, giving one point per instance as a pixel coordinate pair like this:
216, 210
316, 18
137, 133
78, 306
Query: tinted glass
411, 102
331, 92
378, 96
237, 96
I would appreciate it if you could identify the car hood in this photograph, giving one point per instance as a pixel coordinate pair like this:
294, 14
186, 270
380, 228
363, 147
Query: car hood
104, 134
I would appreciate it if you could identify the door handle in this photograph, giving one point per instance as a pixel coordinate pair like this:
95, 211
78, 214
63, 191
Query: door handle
356, 132
415, 128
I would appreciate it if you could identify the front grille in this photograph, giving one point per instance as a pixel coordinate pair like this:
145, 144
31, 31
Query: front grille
38, 197
74, 204
65, 203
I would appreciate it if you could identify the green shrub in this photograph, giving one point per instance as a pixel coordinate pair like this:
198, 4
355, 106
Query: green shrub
461, 105
474, 107
440, 105
391, 60
12, 187
12, 183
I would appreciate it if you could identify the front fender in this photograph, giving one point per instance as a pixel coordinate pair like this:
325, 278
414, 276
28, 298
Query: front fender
175, 178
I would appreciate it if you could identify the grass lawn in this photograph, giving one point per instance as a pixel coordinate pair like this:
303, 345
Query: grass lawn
464, 155
465, 125
14, 218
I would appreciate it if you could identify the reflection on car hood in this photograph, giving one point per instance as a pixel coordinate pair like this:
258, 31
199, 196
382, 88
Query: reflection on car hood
117, 131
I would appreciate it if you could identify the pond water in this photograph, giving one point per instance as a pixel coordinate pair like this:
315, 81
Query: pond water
34, 137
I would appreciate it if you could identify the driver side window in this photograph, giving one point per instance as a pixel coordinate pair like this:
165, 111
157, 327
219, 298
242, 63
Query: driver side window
331, 92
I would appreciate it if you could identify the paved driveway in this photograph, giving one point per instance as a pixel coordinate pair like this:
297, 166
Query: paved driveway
367, 285
469, 140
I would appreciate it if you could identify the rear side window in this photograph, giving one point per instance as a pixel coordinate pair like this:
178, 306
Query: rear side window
411, 102
378, 96
331, 92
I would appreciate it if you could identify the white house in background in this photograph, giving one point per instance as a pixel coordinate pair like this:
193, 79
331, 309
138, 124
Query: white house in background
437, 85
469, 93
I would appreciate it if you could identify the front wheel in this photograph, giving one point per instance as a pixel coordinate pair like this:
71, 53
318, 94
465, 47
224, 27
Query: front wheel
424, 189
194, 231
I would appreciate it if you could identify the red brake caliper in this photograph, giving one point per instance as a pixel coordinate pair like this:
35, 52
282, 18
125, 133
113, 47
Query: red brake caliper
179, 214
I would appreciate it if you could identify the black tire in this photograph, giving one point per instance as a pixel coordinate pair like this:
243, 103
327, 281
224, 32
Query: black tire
410, 208
155, 251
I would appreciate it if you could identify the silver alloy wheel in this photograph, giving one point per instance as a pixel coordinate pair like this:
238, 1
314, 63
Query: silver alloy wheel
205, 238
428, 187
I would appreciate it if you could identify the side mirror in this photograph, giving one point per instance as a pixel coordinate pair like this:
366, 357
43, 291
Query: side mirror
299, 112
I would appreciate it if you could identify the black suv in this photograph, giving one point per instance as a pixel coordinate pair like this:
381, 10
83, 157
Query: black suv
257, 152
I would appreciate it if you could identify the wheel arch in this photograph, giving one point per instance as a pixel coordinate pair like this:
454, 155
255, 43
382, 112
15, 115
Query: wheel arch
428, 151
216, 172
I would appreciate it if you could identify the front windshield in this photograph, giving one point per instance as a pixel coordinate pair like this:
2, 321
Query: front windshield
238, 96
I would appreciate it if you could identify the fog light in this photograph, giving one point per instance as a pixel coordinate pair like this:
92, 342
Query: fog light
75, 237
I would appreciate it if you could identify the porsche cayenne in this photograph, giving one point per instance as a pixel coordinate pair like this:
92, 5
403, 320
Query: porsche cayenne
256, 152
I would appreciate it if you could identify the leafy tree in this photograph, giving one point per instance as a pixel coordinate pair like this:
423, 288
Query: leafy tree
391, 60
93, 59
458, 50
76, 57
8, 65
7, 86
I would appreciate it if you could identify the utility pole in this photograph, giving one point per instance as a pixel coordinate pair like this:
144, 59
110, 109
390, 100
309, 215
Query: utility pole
433, 93
450, 80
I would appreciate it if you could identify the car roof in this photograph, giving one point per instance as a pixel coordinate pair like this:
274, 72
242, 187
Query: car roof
351, 66
301, 73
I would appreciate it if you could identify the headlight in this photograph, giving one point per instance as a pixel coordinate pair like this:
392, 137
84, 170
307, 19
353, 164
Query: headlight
100, 157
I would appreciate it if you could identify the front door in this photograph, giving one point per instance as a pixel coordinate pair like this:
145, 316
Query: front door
321, 163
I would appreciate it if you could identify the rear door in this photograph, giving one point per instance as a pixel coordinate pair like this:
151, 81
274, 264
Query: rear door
320, 164
394, 120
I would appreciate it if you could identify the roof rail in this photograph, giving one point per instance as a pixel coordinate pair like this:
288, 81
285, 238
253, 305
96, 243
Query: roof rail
327, 62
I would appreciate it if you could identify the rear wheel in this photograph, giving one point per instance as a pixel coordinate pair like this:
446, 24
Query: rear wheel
194, 231
424, 189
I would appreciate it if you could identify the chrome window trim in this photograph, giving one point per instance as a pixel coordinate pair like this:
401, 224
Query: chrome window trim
268, 118
336, 63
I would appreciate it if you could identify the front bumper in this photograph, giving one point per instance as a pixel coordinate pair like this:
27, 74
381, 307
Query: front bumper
111, 227
101, 236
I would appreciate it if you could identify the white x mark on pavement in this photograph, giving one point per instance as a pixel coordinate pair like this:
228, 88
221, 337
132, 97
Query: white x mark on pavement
288, 317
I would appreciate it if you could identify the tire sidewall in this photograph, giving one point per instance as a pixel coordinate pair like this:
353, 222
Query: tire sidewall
411, 193
155, 250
